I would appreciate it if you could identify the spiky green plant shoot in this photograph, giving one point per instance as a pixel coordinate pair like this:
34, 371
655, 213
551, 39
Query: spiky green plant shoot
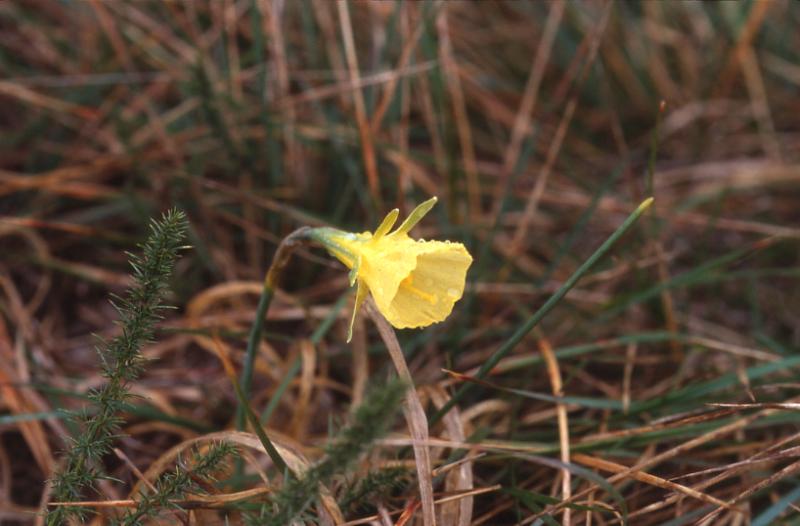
370, 421
122, 363
177, 484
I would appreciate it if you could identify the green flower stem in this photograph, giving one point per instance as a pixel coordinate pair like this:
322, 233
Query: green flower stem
269, 447
539, 315
246, 379
284, 251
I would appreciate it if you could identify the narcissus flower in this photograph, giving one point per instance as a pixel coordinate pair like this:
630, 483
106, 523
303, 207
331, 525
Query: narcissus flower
414, 282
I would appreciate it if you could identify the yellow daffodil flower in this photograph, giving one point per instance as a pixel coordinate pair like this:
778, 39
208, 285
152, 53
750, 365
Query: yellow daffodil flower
414, 282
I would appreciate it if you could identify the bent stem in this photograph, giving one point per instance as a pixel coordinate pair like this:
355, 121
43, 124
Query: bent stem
282, 255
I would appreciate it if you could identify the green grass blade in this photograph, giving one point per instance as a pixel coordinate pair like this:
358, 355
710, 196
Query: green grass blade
769, 515
539, 315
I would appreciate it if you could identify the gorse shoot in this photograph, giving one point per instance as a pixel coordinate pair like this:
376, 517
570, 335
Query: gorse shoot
122, 363
370, 422
177, 484
373, 487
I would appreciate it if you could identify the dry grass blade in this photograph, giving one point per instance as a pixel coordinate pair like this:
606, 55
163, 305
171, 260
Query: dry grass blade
530, 96
443, 500
219, 501
460, 112
461, 477
302, 405
780, 475
538, 189
725, 472
414, 413
655, 460
647, 478
364, 130
563, 423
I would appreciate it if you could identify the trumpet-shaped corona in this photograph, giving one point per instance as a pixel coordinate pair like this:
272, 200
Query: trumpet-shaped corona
414, 282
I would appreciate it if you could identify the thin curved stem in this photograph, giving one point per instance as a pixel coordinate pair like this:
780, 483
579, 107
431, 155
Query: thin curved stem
279, 261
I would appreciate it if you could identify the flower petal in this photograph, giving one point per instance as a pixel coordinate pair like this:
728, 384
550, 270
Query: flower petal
428, 293
385, 264
386, 224
353, 275
361, 295
415, 216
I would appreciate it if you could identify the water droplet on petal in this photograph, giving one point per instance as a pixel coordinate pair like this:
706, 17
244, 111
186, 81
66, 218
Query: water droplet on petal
453, 293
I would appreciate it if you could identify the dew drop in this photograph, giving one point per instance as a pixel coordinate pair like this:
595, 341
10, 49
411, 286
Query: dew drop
453, 293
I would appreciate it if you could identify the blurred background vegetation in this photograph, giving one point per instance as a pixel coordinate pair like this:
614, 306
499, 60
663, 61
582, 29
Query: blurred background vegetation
539, 125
